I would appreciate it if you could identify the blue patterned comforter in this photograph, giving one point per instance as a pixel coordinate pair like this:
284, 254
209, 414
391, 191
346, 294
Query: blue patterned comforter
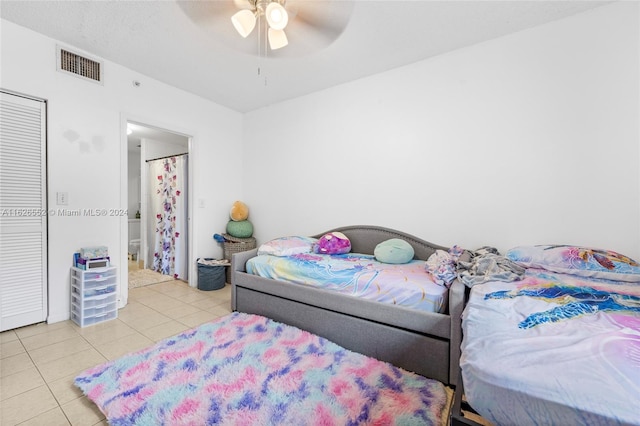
553, 349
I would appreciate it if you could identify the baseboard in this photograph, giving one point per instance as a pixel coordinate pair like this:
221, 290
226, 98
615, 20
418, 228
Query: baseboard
58, 317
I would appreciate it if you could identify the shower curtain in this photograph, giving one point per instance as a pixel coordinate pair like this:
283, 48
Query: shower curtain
168, 215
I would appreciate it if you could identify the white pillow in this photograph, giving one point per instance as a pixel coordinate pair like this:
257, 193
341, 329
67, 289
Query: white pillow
287, 246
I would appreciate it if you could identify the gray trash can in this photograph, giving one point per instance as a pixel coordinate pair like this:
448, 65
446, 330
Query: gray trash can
211, 276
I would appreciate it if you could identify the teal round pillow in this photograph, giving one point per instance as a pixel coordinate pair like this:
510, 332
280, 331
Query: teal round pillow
240, 229
394, 250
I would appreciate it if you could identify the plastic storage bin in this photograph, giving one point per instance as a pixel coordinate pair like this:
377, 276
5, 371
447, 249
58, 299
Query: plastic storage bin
211, 277
94, 296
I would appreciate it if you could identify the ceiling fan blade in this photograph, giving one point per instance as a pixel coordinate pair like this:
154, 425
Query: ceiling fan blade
291, 6
243, 4
317, 24
323, 12
329, 17
202, 11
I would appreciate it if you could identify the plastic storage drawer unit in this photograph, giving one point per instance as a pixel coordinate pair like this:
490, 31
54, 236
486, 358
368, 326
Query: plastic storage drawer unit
94, 296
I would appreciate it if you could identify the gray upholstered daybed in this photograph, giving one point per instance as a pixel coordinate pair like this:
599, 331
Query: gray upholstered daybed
423, 342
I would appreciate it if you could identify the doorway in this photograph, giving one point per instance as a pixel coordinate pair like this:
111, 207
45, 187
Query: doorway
148, 144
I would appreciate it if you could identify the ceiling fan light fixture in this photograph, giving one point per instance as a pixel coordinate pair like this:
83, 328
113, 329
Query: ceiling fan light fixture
244, 22
277, 39
277, 16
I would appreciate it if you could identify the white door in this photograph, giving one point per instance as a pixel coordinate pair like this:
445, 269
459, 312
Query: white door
23, 211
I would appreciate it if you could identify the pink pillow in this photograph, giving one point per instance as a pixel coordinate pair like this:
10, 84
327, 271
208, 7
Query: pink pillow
333, 243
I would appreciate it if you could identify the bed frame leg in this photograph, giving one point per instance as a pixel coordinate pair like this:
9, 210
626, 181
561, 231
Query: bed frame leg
457, 416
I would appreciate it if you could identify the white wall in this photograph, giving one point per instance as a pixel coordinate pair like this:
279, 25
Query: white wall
87, 151
529, 138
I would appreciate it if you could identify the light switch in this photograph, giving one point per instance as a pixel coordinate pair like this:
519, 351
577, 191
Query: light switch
62, 198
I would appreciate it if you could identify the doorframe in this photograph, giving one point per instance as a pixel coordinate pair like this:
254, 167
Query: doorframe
123, 293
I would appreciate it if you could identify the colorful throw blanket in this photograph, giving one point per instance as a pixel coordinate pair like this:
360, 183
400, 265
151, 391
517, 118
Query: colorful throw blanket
248, 370
359, 275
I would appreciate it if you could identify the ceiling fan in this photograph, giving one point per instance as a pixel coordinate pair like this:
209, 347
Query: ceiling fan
259, 27
272, 11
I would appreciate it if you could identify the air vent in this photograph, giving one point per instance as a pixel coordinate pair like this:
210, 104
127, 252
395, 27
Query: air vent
79, 65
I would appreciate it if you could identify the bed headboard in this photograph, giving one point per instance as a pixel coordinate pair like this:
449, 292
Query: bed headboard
365, 238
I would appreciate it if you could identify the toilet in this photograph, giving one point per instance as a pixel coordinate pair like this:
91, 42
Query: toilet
134, 239
134, 249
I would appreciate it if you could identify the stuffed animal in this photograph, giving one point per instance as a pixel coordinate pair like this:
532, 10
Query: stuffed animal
239, 211
333, 243
240, 228
394, 250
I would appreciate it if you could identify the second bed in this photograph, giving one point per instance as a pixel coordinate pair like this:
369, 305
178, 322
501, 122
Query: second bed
556, 348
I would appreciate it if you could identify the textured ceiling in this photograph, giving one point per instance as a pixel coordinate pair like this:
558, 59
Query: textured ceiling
193, 46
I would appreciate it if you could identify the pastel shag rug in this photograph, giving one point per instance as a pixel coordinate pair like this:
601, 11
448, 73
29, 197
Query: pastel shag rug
246, 369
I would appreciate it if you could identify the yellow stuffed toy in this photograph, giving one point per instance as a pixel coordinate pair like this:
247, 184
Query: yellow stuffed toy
239, 211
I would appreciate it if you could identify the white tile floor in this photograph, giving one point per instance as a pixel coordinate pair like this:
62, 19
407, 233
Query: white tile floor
38, 363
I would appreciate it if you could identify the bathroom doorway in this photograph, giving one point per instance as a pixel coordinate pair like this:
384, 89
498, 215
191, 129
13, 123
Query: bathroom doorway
146, 143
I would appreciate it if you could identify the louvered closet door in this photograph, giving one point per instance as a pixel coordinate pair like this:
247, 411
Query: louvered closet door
23, 219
